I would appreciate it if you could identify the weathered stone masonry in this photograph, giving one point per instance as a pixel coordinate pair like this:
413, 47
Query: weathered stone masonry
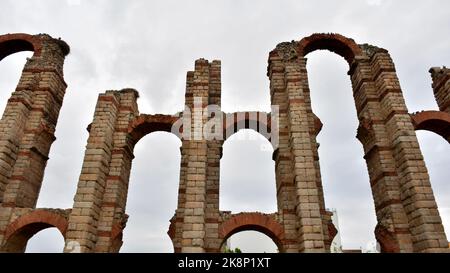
27, 132
408, 219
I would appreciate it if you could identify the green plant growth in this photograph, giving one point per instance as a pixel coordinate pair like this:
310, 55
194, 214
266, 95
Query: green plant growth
236, 250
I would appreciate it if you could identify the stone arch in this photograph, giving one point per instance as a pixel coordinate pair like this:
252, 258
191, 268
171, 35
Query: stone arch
341, 45
22, 229
146, 124
388, 130
257, 121
264, 223
434, 121
13, 43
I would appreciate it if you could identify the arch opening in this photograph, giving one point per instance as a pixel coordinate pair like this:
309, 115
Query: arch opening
48, 240
247, 174
250, 241
152, 194
344, 173
10, 72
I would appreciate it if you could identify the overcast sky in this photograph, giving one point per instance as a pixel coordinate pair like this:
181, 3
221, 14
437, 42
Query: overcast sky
150, 45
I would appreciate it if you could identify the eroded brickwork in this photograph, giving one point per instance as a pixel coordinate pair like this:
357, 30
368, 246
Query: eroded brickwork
441, 87
407, 215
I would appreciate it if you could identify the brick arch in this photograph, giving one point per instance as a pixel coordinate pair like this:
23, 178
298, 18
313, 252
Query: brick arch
22, 229
146, 124
256, 121
341, 45
13, 43
433, 121
255, 221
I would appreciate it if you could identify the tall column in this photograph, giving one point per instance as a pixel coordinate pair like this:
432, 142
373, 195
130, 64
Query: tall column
83, 220
301, 147
416, 195
112, 213
28, 124
214, 154
286, 192
315, 126
195, 149
308, 191
177, 221
392, 229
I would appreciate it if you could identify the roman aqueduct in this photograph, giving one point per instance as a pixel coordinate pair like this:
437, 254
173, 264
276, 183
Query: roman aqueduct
407, 214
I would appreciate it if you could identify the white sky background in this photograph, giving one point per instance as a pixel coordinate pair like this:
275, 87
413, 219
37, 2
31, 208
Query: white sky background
150, 45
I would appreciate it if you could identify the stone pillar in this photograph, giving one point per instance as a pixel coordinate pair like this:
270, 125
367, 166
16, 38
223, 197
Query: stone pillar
300, 183
441, 87
178, 219
88, 201
28, 124
195, 151
311, 237
314, 127
392, 230
112, 218
286, 192
196, 221
214, 154
416, 195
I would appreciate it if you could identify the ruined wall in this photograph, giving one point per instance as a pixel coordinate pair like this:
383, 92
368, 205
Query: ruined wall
407, 215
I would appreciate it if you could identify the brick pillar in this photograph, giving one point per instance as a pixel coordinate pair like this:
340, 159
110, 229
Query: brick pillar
392, 229
197, 214
314, 127
416, 195
311, 237
177, 221
88, 201
194, 153
28, 123
286, 192
301, 147
441, 87
112, 216
214, 154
